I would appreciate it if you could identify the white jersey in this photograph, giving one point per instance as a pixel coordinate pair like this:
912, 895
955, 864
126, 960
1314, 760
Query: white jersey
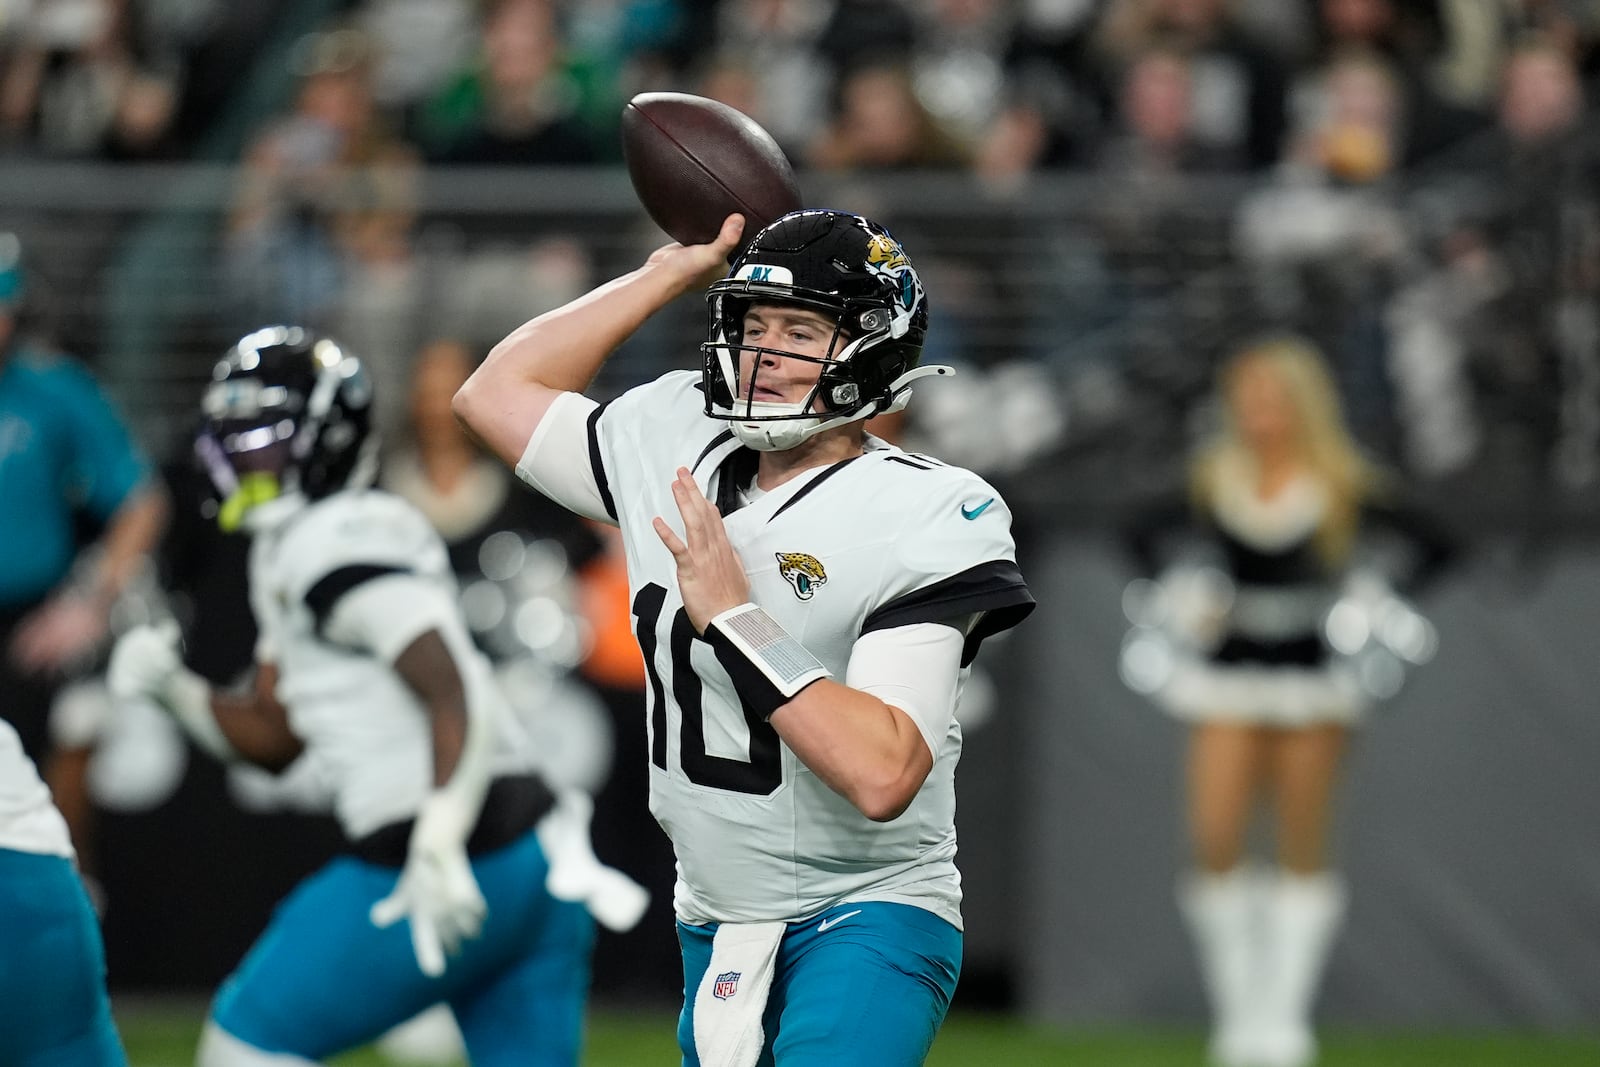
367, 731
883, 540
29, 821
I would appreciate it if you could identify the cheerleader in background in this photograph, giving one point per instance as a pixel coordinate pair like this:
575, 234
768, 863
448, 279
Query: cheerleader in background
1279, 497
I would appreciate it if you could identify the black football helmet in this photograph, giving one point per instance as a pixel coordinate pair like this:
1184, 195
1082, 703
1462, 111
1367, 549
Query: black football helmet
851, 270
286, 419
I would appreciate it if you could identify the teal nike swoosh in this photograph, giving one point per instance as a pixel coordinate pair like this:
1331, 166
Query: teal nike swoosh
972, 513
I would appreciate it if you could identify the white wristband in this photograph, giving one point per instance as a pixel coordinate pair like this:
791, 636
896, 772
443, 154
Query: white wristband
767, 665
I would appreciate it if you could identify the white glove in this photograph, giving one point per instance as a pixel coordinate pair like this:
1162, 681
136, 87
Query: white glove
144, 662
616, 901
436, 891
146, 665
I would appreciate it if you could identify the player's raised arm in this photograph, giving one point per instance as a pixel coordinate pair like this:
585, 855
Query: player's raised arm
562, 350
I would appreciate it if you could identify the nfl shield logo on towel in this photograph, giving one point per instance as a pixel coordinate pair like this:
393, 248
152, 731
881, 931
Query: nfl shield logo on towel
727, 985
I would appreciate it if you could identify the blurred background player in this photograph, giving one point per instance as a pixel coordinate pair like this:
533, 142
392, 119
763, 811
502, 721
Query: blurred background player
542, 555
449, 825
1279, 496
53, 1003
66, 461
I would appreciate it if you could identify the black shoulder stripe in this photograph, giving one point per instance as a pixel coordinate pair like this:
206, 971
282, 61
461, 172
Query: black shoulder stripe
910, 463
995, 588
596, 463
332, 587
812, 484
737, 470
716, 442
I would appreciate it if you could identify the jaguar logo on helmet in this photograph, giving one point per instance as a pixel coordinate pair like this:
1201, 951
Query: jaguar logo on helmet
886, 259
883, 251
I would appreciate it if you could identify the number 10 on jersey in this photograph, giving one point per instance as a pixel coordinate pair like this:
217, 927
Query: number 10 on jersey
762, 773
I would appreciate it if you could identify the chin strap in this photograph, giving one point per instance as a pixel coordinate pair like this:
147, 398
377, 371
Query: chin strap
776, 436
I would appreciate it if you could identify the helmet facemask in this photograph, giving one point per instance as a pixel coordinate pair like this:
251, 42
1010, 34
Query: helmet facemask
252, 473
734, 373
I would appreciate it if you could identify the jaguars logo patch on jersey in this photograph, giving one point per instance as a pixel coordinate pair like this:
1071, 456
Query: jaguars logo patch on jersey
803, 572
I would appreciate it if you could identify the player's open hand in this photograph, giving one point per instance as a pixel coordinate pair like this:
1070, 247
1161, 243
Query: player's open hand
711, 575
700, 265
437, 891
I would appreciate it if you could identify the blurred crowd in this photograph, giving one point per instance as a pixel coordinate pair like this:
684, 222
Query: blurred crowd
1361, 87
1406, 183
1409, 186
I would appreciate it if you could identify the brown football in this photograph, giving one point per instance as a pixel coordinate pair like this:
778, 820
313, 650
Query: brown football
695, 161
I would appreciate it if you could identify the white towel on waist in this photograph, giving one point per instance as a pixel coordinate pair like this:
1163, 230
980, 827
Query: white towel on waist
733, 993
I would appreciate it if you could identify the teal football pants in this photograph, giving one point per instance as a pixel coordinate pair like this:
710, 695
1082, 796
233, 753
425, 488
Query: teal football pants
861, 985
54, 1011
322, 979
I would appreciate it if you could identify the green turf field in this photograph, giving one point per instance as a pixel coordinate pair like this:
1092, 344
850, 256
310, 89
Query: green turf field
164, 1035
